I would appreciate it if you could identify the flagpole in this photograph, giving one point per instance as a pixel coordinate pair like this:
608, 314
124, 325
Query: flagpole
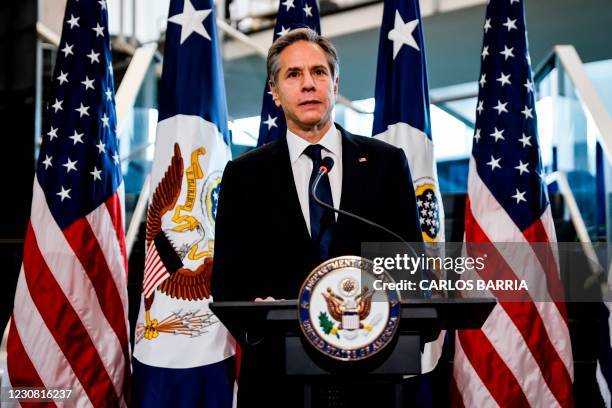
139, 212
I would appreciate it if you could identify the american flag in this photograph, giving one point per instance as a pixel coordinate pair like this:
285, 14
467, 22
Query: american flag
69, 327
292, 14
401, 117
522, 355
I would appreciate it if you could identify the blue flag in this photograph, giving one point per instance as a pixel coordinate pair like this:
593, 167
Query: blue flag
292, 14
183, 353
401, 117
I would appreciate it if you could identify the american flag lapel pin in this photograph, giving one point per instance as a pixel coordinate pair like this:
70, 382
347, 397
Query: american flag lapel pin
362, 159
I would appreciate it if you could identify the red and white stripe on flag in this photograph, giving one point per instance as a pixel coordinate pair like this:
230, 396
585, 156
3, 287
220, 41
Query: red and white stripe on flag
154, 272
522, 355
69, 327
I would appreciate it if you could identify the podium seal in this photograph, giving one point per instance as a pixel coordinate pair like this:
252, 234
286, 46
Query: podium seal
341, 314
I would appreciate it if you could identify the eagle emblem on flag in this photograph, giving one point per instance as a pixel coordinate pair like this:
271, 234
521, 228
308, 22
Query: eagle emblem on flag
175, 239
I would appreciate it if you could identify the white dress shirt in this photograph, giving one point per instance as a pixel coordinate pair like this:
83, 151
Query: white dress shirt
301, 165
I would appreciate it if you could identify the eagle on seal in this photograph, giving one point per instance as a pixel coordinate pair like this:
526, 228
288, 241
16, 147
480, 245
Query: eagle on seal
337, 306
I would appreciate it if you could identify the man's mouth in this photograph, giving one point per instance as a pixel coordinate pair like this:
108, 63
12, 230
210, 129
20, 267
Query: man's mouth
309, 103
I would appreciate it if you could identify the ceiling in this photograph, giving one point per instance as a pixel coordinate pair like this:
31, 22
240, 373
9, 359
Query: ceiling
452, 41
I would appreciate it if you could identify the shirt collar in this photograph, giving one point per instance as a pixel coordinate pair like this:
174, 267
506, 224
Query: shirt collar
331, 141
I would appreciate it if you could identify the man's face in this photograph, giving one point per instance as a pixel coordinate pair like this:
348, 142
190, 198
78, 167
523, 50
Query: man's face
305, 87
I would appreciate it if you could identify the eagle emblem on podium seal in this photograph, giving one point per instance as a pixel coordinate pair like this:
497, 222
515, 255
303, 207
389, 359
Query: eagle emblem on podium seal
342, 315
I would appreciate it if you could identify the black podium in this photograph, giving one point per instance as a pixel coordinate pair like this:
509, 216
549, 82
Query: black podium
420, 322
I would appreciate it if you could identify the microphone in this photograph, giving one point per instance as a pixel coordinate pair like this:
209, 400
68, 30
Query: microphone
326, 166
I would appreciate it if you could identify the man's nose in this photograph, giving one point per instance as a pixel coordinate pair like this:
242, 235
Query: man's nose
308, 82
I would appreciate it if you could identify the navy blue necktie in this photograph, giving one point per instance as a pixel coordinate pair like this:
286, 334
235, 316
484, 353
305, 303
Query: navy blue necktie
321, 218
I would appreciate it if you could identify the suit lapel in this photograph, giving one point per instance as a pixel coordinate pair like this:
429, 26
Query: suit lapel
353, 171
288, 196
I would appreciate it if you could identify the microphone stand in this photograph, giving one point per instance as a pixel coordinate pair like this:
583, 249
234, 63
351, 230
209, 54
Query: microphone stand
322, 172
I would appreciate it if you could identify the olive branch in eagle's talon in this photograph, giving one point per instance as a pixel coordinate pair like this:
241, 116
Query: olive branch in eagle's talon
192, 323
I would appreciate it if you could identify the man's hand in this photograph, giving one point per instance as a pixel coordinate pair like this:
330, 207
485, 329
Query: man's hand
268, 299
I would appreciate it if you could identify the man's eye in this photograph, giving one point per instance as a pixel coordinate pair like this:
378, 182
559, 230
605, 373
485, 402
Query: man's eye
293, 74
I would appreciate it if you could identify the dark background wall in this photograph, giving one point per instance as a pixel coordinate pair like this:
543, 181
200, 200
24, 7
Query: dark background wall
19, 52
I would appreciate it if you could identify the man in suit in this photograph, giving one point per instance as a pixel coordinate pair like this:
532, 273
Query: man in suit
270, 233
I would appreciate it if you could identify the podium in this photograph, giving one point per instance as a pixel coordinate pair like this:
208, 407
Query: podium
420, 322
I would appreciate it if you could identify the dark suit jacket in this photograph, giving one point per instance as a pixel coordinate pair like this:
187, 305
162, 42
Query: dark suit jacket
262, 245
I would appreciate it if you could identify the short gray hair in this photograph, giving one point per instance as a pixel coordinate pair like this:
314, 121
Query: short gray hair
293, 36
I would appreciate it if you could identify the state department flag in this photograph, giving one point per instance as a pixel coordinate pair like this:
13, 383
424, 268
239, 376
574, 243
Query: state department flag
292, 14
401, 117
69, 327
522, 355
183, 354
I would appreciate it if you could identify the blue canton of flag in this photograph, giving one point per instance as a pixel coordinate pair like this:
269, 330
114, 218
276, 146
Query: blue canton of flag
292, 14
505, 140
182, 350
79, 167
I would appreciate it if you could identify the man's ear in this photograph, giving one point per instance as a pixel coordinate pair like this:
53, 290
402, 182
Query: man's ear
336, 87
274, 94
